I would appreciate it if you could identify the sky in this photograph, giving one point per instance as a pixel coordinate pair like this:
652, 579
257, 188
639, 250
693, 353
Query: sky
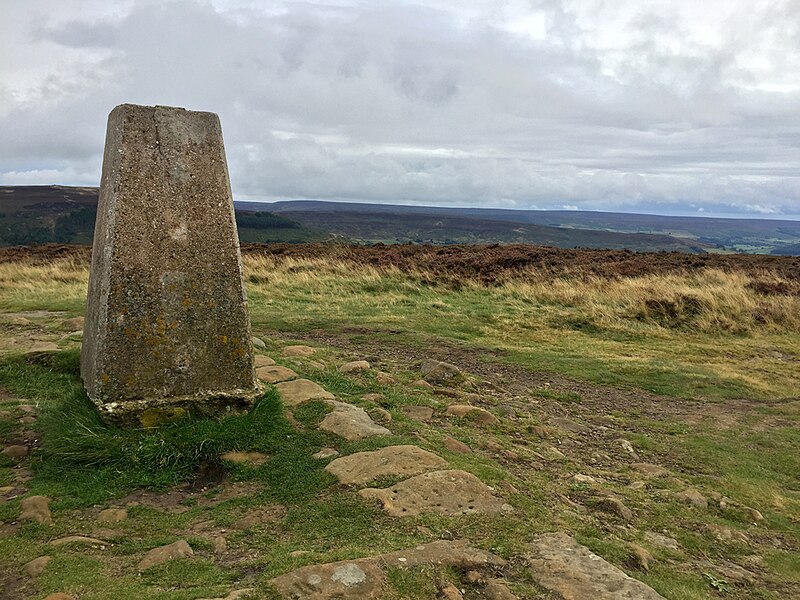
667, 107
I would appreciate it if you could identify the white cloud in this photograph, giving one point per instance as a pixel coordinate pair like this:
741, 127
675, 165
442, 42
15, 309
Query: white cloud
622, 106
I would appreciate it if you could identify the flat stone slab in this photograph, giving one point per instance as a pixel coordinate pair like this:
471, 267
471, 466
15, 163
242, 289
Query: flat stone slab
298, 391
262, 360
298, 350
350, 422
365, 577
275, 374
396, 461
572, 572
173, 551
450, 492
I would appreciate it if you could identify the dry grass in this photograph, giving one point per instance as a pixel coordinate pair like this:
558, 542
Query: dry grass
678, 333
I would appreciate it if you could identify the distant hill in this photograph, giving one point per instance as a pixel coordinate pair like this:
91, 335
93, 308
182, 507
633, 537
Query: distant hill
66, 215
59, 214
710, 233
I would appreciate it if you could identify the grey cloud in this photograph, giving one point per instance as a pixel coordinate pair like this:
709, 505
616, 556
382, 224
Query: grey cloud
395, 101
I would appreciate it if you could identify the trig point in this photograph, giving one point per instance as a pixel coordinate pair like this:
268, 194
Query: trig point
167, 331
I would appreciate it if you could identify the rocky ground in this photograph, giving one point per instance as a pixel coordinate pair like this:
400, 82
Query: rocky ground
510, 484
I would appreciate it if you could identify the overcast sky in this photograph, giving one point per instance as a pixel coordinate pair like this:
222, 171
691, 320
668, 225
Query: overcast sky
673, 107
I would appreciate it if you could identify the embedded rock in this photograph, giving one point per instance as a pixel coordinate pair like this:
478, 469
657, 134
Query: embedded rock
36, 567
572, 572
157, 556
298, 391
436, 372
350, 422
396, 461
356, 366
443, 492
292, 351
254, 459
364, 577
477, 415
261, 360
36, 508
275, 374
112, 515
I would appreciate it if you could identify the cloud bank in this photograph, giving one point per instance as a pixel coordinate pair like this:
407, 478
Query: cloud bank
669, 107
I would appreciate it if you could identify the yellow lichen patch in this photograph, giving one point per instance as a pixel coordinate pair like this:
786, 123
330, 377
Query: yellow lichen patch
153, 417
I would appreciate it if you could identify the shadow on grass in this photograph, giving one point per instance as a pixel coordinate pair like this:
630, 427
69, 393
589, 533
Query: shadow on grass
83, 461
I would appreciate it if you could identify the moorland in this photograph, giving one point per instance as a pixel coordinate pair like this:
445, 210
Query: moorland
645, 404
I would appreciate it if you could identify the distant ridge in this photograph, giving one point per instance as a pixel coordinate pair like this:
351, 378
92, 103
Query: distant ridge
64, 214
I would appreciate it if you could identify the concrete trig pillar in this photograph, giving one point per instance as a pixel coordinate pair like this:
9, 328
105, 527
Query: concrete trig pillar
167, 330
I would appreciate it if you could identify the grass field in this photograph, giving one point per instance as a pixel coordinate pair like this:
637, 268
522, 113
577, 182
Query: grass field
696, 371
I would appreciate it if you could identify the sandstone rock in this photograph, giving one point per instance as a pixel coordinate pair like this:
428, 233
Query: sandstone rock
571, 571
498, 590
640, 557
74, 324
59, 596
381, 415
220, 544
627, 446
16, 451
726, 534
569, 425
298, 350
261, 360
442, 492
78, 539
259, 343
417, 413
166, 315
616, 506
18, 321
663, 541
754, 515
421, 383
477, 415
398, 461
42, 348
157, 556
294, 393
454, 445
315, 364
650, 470
36, 508
580, 478
35, 567
552, 453
27, 420
27, 408
254, 459
355, 366
364, 578
372, 397
275, 374
350, 422
450, 592
112, 515
384, 378
693, 498
437, 372
325, 453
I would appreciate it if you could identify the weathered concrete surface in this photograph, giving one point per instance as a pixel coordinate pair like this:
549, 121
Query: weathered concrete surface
167, 330
572, 572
